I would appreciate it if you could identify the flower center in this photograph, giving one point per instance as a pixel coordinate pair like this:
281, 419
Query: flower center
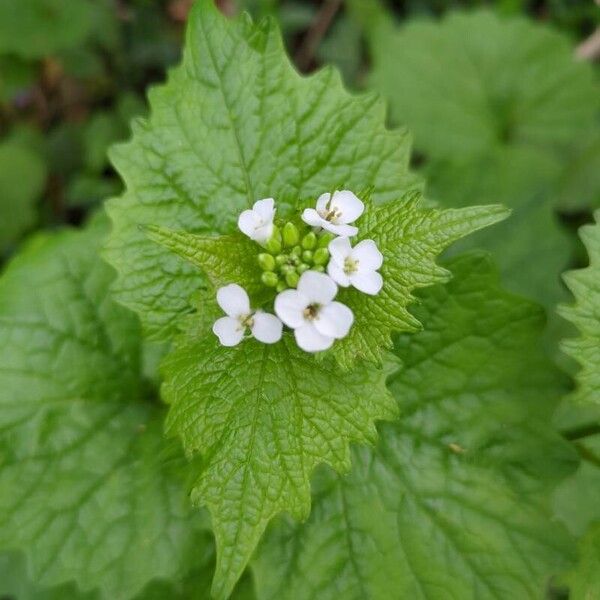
350, 266
332, 214
311, 312
247, 321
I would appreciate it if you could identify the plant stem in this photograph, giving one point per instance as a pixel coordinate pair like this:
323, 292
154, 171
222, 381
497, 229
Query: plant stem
318, 29
581, 431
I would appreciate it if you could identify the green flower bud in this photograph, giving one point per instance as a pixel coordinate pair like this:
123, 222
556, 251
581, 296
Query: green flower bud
307, 256
273, 245
309, 241
292, 279
266, 262
324, 239
297, 251
285, 269
320, 256
281, 259
282, 285
319, 268
269, 278
302, 267
291, 236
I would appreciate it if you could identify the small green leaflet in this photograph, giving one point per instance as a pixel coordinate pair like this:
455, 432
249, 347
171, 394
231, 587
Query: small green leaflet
89, 491
585, 315
476, 81
236, 123
410, 238
263, 417
451, 503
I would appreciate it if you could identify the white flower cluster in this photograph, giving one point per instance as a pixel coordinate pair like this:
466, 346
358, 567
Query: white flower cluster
308, 304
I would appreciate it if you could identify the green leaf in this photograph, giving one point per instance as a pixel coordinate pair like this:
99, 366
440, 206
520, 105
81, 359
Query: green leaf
223, 259
451, 503
476, 81
575, 500
585, 578
89, 491
531, 248
262, 417
236, 123
14, 583
38, 28
579, 183
194, 586
22, 179
585, 315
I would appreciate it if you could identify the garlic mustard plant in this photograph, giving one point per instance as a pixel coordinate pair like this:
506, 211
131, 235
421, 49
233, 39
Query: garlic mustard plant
302, 266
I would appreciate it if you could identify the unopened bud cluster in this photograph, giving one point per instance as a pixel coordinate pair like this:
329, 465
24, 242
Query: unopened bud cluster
289, 253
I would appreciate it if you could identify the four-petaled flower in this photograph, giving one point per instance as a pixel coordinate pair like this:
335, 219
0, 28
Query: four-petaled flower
310, 311
230, 330
257, 222
356, 266
334, 213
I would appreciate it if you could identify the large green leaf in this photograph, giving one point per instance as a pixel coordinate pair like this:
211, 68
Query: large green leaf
88, 488
262, 417
531, 248
451, 502
475, 81
235, 123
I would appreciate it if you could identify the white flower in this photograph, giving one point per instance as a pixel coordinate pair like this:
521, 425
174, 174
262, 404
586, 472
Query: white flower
257, 222
230, 330
333, 213
356, 266
310, 311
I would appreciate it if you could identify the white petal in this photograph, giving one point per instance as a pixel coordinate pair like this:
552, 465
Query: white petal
341, 230
334, 320
289, 306
340, 248
369, 282
233, 300
367, 254
322, 202
337, 274
265, 209
248, 221
267, 328
311, 217
316, 287
263, 233
349, 205
310, 340
229, 331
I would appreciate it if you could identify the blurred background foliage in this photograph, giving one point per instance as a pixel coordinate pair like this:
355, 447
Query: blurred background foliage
524, 116
502, 98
